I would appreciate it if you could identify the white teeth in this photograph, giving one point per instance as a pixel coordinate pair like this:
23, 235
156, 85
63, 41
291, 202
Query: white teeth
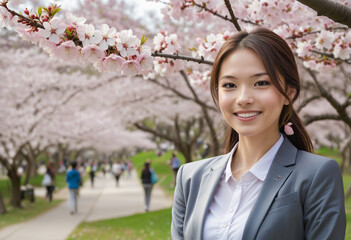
247, 115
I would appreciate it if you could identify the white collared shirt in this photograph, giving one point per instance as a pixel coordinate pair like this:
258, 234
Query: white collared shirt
233, 200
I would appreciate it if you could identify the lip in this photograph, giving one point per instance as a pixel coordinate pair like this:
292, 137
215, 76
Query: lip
245, 119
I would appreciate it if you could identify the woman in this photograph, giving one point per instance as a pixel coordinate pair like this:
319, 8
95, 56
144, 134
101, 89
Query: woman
50, 170
147, 183
269, 185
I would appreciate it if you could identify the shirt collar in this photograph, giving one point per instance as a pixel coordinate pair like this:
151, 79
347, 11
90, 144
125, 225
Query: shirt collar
261, 168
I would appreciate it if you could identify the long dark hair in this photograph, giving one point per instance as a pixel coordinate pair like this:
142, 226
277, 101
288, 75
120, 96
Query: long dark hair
278, 60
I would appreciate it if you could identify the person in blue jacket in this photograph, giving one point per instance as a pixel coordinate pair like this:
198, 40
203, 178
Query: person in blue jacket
73, 179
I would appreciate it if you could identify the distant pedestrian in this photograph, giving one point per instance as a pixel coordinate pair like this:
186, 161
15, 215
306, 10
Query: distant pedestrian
50, 187
130, 167
73, 179
117, 171
175, 164
91, 169
147, 183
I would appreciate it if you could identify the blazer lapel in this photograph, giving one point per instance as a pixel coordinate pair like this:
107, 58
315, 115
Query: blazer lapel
207, 190
277, 174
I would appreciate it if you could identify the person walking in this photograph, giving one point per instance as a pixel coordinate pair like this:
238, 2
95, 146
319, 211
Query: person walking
147, 183
50, 187
73, 179
117, 171
91, 169
175, 164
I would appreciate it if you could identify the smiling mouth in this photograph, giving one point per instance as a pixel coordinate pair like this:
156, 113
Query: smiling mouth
247, 115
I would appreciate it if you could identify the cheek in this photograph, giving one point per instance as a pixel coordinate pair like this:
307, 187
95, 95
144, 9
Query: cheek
225, 102
274, 100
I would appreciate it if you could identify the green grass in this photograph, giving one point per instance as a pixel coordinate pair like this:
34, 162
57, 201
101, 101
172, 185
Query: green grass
160, 166
29, 211
153, 225
15, 215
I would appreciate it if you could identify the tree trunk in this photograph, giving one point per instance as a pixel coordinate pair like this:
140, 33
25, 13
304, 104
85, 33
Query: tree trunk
2, 205
28, 172
16, 187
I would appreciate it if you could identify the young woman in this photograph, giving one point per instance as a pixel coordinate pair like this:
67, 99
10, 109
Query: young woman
269, 185
147, 183
50, 170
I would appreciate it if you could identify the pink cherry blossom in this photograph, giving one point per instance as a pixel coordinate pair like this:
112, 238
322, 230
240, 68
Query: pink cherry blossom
145, 61
131, 68
113, 63
53, 30
67, 51
108, 36
74, 20
92, 53
325, 40
341, 51
304, 49
127, 43
87, 34
5, 18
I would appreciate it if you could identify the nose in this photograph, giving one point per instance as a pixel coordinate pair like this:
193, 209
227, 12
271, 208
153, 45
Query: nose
244, 96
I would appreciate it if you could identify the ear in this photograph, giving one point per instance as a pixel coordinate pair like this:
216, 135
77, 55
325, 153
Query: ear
291, 94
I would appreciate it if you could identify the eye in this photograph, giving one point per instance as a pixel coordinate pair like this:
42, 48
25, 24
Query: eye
262, 83
228, 85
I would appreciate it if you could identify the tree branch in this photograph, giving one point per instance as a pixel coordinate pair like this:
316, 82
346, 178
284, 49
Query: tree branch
302, 34
331, 9
221, 16
30, 21
310, 119
186, 58
307, 101
181, 95
343, 115
330, 55
233, 20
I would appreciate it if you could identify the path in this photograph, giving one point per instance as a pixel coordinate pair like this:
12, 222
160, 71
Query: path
104, 201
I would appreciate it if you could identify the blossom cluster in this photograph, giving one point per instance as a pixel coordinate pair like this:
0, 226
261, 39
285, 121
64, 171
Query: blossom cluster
317, 40
168, 44
200, 78
72, 39
209, 47
336, 47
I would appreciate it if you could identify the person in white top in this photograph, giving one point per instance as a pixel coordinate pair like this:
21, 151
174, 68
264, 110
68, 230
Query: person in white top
117, 171
269, 185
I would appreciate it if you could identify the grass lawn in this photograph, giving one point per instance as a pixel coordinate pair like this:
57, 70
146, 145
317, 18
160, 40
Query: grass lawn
153, 225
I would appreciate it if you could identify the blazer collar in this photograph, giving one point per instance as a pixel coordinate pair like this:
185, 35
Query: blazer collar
207, 189
282, 166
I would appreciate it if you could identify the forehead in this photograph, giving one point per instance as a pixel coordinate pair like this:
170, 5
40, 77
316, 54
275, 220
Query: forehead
241, 63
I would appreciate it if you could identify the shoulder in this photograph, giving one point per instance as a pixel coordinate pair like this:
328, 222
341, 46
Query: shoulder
200, 167
313, 165
310, 159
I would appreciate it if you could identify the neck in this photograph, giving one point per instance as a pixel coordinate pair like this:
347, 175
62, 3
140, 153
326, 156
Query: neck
250, 150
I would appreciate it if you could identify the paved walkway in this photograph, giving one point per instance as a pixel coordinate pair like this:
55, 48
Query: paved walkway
103, 201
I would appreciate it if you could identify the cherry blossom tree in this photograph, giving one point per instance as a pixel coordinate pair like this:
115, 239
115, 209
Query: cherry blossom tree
195, 32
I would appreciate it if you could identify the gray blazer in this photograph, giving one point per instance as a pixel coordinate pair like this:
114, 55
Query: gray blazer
301, 198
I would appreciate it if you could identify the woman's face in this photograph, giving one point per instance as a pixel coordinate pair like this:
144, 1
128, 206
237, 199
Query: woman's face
248, 100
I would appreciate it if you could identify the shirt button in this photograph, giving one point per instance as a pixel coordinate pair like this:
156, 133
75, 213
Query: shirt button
225, 225
231, 210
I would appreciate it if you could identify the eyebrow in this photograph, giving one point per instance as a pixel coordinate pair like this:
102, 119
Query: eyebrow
253, 76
